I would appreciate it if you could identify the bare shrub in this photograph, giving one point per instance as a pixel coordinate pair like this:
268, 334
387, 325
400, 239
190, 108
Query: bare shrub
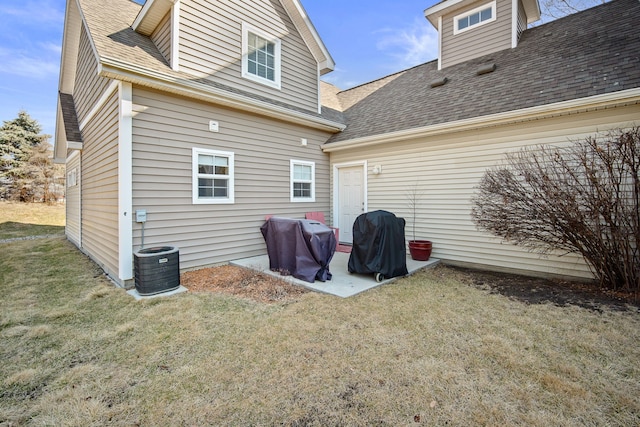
579, 199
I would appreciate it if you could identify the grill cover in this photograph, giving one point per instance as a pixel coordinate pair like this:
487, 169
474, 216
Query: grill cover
378, 245
299, 247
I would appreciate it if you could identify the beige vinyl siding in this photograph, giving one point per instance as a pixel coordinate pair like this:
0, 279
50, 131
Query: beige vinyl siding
100, 187
89, 87
447, 168
166, 129
72, 202
211, 48
485, 39
162, 37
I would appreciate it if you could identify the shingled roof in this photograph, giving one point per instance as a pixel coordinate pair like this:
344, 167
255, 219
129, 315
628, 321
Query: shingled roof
119, 48
593, 52
70, 119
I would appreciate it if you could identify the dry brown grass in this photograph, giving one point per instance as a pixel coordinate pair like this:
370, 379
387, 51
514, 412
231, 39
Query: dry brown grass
432, 349
425, 350
30, 219
242, 282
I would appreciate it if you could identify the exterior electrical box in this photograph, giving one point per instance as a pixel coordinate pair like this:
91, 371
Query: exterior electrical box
141, 215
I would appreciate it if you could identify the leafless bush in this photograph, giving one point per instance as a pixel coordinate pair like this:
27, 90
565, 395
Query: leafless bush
580, 199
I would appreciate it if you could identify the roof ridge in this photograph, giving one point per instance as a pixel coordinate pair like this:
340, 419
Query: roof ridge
389, 75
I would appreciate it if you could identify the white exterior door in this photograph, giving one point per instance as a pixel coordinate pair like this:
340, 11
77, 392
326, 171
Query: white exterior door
350, 199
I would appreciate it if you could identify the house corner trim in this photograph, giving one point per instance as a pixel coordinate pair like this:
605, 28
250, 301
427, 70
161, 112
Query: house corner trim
175, 36
125, 176
439, 42
514, 24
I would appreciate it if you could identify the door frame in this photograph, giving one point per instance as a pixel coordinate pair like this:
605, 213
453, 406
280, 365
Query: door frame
336, 188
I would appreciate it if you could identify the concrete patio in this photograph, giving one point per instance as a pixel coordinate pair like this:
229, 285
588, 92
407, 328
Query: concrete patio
343, 283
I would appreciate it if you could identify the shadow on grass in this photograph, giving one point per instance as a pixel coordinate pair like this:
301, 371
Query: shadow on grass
14, 230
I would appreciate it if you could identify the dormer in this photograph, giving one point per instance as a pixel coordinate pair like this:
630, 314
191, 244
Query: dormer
469, 29
263, 47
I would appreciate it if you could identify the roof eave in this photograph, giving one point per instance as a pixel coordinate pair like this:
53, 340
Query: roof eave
608, 100
532, 10
73, 23
150, 15
311, 37
62, 145
119, 70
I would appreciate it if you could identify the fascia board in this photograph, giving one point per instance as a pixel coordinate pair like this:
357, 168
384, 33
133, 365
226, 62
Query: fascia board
73, 23
150, 15
60, 143
115, 69
532, 10
608, 100
437, 10
69, 51
318, 48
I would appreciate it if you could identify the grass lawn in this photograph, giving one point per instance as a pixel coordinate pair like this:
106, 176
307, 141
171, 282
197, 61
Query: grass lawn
30, 219
425, 350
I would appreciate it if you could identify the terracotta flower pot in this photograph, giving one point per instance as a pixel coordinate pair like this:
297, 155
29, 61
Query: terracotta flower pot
420, 250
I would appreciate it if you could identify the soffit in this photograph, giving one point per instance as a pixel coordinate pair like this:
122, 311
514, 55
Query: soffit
150, 15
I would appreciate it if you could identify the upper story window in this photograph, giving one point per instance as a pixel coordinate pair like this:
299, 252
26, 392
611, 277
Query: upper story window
303, 181
212, 176
474, 18
260, 56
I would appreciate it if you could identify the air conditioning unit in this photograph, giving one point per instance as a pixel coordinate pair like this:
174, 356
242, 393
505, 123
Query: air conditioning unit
157, 270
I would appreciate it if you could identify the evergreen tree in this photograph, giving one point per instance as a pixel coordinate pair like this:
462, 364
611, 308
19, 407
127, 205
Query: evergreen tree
26, 169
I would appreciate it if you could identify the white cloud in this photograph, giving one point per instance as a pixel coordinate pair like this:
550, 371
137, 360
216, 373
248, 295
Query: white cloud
410, 46
17, 63
54, 48
35, 11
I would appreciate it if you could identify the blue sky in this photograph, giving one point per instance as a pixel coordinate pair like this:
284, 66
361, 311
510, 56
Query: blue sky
367, 39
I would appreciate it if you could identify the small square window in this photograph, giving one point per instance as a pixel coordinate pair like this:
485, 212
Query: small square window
302, 181
213, 180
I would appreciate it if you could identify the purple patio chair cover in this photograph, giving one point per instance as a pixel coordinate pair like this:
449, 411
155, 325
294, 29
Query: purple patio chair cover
378, 245
298, 247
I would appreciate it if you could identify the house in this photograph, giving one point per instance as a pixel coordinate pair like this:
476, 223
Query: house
209, 115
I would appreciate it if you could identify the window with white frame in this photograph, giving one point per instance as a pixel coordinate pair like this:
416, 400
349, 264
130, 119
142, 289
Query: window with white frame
213, 176
260, 56
303, 181
72, 177
474, 18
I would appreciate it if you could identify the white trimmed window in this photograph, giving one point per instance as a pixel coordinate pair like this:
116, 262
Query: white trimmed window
260, 56
474, 18
72, 177
212, 176
303, 181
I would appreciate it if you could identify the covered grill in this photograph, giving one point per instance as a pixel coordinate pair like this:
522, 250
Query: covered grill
378, 245
299, 247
